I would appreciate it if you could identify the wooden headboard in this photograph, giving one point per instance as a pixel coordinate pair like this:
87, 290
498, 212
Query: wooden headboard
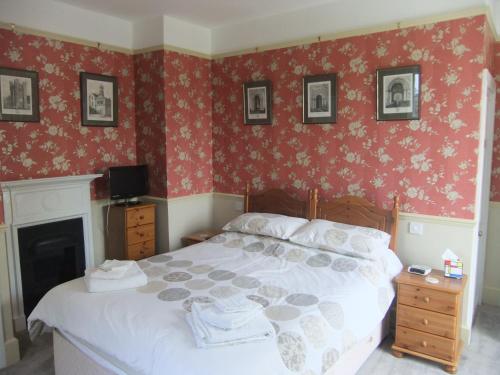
277, 201
358, 211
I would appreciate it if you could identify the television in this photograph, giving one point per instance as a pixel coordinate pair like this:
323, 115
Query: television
127, 182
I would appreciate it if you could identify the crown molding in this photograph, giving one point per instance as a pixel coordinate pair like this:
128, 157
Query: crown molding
471, 12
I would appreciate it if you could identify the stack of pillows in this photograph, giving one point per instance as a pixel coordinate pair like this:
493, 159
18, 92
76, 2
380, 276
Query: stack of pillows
344, 239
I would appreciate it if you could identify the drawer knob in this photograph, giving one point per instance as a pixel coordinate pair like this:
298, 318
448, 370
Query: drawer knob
426, 322
141, 234
424, 344
141, 217
427, 299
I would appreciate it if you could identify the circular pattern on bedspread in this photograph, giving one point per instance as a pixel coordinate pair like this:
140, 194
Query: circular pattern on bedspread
344, 265
177, 277
223, 291
217, 239
143, 264
264, 302
246, 282
274, 250
155, 271
180, 263
370, 273
292, 349
336, 237
319, 260
221, 275
360, 243
302, 299
201, 268
254, 247
282, 312
315, 329
174, 294
271, 291
199, 299
152, 287
295, 255
199, 284
234, 243
333, 313
160, 258
329, 358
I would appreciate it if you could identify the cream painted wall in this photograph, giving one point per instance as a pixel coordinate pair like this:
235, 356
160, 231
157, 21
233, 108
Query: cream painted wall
491, 290
187, 215
9, 345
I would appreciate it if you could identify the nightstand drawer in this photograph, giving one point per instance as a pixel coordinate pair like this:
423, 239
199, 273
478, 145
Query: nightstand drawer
427, 321
425, 343
140, 234
141, 250
140, 216
428, 299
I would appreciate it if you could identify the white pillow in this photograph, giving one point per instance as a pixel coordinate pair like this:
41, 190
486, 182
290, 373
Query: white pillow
345, 239
274, 225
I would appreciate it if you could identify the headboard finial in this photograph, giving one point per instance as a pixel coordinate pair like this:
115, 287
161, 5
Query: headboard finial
396, 201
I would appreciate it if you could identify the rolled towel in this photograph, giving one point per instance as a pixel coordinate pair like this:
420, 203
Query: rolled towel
112, 269
206, 336
212, 315
134, 277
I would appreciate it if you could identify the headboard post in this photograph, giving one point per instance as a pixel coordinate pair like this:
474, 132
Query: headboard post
394, 226
313, 203
246, 199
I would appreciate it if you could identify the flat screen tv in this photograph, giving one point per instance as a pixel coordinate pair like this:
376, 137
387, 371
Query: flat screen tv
128, 181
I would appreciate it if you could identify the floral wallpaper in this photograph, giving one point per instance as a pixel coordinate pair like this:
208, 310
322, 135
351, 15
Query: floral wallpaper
430, 163
150, 119
58, 145
188, 98
495, 173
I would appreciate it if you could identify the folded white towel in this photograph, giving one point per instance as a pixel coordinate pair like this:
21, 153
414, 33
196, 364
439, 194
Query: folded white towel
134, 277
212, 315
207, 336
234, 304
112, 269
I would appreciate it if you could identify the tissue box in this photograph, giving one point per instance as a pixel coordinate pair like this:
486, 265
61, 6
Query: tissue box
453, 268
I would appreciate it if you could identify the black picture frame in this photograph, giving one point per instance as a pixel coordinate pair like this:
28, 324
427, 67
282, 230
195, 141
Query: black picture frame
19, 97
398, 93
319, 99
257, 103
99, 100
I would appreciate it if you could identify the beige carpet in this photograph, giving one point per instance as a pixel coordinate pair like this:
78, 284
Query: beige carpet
481, 357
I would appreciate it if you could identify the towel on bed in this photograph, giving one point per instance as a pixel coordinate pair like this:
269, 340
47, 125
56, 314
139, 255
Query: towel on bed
112, 269
206, 335
212, 315
133, 277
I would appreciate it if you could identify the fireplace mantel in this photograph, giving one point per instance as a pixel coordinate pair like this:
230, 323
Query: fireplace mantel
38, 201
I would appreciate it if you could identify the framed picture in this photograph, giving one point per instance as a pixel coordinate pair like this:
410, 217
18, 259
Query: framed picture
319, 96
99, 97
19, 95
257, 99
398, 93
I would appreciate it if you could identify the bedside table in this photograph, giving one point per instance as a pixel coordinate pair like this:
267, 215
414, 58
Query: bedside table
200, 236
428, 318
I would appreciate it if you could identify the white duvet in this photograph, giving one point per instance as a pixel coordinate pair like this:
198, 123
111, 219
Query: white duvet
319, 303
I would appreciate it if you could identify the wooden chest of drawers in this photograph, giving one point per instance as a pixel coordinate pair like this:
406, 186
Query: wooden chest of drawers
428, 318
130, 232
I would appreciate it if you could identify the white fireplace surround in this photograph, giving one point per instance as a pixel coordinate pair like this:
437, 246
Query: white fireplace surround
40, 201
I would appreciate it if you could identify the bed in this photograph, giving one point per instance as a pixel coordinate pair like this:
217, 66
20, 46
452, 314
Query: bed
328, 310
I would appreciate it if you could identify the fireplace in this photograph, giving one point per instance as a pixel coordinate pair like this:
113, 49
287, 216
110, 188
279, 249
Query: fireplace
37, 260
49, 254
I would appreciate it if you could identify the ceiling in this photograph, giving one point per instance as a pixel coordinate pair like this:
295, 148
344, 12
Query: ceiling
207, 13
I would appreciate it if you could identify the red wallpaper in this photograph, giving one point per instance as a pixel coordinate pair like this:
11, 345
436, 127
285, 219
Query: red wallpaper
188, 99
431, 163
174, 122
59, 145
150, 118
495, 173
